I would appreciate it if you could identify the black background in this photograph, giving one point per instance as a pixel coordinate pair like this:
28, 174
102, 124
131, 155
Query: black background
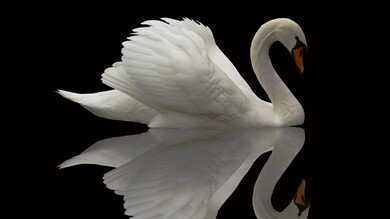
68, 46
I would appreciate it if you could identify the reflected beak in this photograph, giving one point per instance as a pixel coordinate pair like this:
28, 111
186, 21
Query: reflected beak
298, 58
300, 199
300, 196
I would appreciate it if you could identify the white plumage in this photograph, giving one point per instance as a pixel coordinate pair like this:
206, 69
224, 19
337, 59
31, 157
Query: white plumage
173, 75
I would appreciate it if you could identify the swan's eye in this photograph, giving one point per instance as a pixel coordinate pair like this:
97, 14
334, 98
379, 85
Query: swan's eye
300, 45
298, 52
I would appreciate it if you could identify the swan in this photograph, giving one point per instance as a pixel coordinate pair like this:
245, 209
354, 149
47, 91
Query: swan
170, 173
173, 75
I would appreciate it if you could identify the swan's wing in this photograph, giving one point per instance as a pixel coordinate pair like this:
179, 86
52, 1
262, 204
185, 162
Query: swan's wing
181, 180
166, 182
167, 66
113, 104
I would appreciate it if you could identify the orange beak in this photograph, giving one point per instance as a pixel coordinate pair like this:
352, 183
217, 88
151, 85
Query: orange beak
298, 57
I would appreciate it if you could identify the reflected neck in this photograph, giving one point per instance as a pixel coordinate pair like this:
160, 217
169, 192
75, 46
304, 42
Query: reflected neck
287, 143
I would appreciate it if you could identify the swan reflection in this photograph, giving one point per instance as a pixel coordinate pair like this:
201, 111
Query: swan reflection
168, 173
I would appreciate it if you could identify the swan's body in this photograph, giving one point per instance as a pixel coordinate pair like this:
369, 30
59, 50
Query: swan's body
173, 75
167, 173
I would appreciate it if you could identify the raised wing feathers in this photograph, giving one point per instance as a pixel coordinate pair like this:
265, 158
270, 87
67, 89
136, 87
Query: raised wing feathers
167, 67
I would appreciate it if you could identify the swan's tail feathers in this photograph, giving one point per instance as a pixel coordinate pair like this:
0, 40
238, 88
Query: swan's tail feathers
77, 160
116, 151
113, 104
92, 158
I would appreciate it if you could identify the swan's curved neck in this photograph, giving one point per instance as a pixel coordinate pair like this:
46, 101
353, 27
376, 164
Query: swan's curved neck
285, 105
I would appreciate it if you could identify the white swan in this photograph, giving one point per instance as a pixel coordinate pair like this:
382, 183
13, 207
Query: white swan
167, 173
173, 75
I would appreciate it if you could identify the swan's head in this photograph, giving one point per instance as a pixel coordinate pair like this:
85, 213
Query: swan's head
289, 34
292, 37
